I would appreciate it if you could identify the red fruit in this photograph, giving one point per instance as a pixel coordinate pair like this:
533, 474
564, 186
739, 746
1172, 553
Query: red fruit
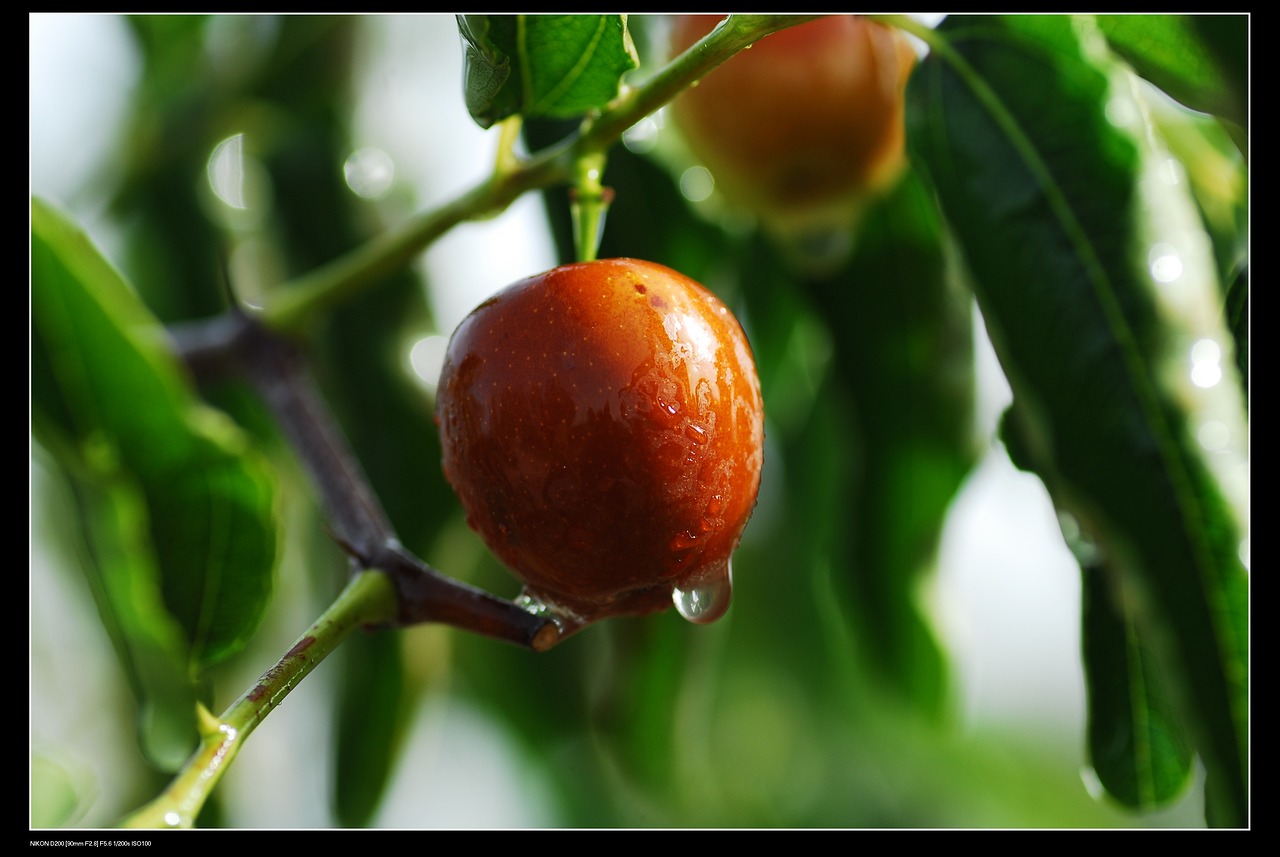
806, 122
602, 425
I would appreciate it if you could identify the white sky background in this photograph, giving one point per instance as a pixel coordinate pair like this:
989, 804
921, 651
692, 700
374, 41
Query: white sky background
1007, 590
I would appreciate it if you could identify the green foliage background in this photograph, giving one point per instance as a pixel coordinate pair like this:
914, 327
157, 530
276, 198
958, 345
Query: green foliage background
831, 696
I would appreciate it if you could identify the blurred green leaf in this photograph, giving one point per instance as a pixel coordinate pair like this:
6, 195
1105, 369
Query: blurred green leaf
110, 400
1217, 175
542, 65
59, 794
1176, 54
372, 705
1137, 743
173, 254
902, 338
1038, 153
125, 579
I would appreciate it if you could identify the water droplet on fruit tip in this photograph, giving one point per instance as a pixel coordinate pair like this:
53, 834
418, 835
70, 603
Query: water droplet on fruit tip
708, 599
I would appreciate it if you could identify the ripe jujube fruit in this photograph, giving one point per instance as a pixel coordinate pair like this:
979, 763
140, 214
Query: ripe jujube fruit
806, 124
602, 425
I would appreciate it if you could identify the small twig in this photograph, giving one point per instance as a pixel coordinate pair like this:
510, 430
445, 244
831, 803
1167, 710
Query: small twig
350, 507
367, 599
426, 595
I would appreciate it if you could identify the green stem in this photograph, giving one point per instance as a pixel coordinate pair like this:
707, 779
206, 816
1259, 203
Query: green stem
506, 160
293, 305
369, 599
589, 204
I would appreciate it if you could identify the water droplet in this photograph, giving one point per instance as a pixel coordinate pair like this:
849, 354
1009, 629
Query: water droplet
563, 618
697, 434
707, 599
714, 507
532, 604
682, 541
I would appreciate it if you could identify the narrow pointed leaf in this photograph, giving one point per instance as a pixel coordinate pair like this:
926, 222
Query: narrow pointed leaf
124, 576
1137, 743
1096, 282
110, 400
557, 66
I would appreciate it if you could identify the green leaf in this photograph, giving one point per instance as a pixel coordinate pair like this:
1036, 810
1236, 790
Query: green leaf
124, 576
373, 716
59, 792
556, 66
902, 337
1137, 743
110, 400
1174, 53
1096, 280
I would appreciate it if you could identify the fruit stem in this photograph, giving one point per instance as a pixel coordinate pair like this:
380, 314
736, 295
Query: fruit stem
507, 161
368, 599
589, 202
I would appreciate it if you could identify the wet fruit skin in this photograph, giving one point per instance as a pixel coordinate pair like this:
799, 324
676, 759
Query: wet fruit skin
807, 119
602, 425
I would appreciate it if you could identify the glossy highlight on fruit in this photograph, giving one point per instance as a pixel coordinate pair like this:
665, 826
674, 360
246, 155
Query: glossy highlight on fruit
602, 425
806, 121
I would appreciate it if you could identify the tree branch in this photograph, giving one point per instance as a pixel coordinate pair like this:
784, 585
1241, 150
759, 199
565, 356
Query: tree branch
277, 369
